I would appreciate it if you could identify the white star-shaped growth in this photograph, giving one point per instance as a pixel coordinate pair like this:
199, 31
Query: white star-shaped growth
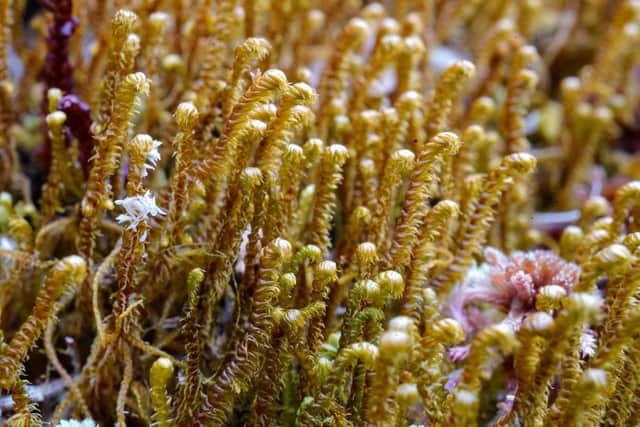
138, 209
151, 157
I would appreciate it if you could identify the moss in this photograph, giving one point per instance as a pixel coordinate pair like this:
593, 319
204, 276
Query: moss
319, 213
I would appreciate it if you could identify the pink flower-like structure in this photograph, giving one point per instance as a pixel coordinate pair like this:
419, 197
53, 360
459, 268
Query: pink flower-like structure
505, 289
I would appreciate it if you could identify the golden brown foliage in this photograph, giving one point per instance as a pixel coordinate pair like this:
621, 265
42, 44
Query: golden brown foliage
320, 212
